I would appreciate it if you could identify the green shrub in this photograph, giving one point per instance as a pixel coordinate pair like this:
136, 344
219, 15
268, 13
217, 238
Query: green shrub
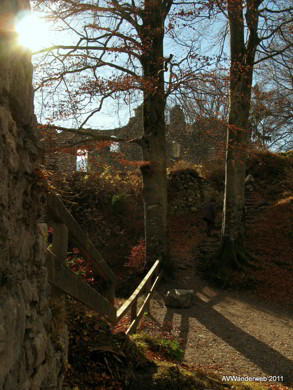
119, 203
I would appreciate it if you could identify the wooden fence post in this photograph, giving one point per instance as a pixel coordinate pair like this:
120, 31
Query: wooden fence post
133, 313
60, 240
148, 287
110, 295
59, 248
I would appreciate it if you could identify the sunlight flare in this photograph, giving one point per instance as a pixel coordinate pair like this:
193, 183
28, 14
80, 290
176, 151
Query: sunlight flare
33, 31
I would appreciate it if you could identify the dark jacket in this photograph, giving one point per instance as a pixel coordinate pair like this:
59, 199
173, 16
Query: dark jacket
209, 212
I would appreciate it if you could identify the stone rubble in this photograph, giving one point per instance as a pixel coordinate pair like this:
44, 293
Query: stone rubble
181, 299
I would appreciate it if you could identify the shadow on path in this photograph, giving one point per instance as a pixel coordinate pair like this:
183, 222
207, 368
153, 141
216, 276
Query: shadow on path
262, 355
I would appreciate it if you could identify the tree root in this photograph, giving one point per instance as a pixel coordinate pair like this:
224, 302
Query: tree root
228, 266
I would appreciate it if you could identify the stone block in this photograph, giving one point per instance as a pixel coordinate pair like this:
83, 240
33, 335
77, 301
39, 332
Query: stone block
39, 347
27, 290
29, 354
12, 318
179, 298
41, 374
3, 335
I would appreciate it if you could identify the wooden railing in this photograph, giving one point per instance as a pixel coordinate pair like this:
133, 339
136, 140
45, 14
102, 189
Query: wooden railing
148, 285
63, 278
59, 214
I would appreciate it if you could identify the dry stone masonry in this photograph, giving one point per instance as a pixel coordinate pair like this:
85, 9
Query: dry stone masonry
202, 142
29, 359
188, 191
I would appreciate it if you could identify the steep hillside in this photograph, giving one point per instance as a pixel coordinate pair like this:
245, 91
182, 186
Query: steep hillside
270, 225
269, 229
99, 359
109, 208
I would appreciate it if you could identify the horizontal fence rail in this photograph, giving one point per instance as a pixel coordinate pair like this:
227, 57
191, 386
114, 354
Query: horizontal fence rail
64, 279
60, 276
131, 303
59, 213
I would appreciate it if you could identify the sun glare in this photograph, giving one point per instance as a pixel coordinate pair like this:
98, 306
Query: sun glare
33, 32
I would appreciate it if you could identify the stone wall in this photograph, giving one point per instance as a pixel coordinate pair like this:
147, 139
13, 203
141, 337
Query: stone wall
198, 143
188, 192
29, 359
202, 142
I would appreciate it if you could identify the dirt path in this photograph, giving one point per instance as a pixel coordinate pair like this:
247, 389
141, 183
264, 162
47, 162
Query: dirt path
232, 333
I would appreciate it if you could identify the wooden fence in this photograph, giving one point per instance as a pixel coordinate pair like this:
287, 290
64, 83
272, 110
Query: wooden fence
148, 286
62, 278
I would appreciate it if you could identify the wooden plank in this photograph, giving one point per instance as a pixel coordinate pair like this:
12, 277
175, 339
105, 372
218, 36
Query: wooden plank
127, 304
143, 308
133, 312
110, 294
59, 248
148, 288
63, 278
60, 241
59, 213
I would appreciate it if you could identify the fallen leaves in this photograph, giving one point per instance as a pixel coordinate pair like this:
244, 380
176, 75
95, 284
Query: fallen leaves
98, 358
269, 239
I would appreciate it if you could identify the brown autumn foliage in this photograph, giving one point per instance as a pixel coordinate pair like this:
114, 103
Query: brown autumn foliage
269, 237
109, 207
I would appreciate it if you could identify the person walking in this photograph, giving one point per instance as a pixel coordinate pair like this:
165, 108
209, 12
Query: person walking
209, 215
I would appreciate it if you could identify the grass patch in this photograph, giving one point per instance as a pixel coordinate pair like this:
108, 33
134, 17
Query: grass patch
160, 347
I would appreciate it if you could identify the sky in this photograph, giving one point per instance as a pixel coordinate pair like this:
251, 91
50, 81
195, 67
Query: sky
38, 33
115, 113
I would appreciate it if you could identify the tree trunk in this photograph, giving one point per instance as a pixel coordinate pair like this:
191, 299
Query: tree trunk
154, 181
232, 252
154, 142
233, 229
28, 357
241, 73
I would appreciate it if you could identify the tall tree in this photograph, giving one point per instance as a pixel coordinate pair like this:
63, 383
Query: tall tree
273, 96
119, 49
206, 97
272, 114
261, 22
